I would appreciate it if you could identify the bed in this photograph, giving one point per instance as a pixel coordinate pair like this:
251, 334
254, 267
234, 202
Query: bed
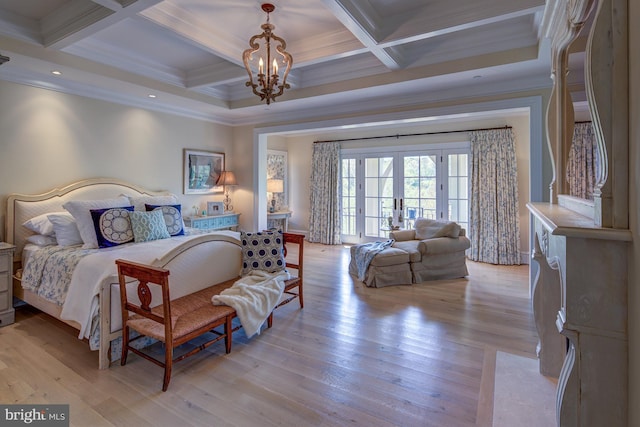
79, 284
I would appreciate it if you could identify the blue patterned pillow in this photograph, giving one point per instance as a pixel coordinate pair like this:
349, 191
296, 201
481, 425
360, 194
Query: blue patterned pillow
262, 251
172, 217
112, 226
148, 226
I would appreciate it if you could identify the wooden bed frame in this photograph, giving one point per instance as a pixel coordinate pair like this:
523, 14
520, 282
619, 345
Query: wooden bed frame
193, 259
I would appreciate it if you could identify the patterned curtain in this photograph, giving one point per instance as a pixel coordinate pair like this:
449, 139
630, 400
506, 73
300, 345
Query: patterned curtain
324, 218
494, 224
582, 165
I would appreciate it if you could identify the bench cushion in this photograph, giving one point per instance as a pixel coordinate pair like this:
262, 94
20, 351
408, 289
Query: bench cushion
188, 313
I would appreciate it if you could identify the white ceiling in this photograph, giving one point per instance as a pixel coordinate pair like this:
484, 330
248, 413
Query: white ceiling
349, 55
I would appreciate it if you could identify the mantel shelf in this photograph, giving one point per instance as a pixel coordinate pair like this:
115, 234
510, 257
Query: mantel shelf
561, 221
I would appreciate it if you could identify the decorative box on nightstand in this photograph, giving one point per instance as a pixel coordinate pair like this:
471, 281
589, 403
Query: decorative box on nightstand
214, 222
7, 313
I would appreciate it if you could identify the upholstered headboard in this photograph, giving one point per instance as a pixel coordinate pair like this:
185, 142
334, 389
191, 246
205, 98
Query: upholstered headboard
22, 207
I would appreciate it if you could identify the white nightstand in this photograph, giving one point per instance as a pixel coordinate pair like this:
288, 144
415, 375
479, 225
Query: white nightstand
7, 313
214, 222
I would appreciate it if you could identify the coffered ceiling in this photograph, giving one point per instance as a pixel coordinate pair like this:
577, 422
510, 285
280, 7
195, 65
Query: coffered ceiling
349, 55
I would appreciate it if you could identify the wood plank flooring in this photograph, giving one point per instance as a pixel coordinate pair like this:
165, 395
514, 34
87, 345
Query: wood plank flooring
420, 355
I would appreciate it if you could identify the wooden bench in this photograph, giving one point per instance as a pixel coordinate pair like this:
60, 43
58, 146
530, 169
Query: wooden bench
175, 322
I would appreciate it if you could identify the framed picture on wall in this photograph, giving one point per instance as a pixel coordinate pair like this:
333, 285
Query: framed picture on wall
215, 208
201, 171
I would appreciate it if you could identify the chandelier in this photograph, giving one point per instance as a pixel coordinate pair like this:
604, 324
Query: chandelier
267, 83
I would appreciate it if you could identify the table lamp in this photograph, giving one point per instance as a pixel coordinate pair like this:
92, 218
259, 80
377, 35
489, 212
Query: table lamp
228, 179
274, 186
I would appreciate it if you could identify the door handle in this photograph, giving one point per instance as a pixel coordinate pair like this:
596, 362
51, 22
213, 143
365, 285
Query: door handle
395, 204
400, 204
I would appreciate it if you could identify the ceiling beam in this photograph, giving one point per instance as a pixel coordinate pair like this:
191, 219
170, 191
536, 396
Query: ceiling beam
79, 19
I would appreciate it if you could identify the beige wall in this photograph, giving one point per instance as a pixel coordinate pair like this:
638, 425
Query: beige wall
300, 149
50, 139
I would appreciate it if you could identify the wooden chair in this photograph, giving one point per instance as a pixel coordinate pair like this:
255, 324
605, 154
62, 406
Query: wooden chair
295, 281
171, 322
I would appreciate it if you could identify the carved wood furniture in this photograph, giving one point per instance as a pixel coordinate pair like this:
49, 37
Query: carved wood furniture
7, 313
173, 322
547, 288
590, 239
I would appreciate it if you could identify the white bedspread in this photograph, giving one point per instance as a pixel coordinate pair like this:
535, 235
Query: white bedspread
82, 297
253, 297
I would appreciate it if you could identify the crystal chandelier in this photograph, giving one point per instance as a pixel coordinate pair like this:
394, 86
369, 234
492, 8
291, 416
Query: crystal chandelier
267, 84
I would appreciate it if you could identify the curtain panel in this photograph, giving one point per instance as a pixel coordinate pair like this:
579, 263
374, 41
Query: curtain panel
494, 225
582, 165
324, 218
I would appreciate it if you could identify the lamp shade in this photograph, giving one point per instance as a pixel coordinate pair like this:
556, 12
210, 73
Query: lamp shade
275, 185
227, 178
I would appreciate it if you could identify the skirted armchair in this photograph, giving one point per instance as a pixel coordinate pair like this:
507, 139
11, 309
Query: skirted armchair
436, 249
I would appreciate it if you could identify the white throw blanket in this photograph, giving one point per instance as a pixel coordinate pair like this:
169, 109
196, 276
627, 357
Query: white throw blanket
253, 297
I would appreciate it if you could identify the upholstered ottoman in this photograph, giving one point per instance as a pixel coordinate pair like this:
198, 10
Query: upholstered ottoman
389, 267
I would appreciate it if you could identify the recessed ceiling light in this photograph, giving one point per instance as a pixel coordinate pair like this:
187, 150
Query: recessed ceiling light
151, 95
56, 72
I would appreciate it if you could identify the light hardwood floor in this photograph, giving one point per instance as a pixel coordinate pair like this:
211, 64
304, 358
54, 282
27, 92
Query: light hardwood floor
420, 355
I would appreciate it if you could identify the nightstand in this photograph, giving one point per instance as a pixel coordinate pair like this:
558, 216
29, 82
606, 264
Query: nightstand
7, 313
214, 222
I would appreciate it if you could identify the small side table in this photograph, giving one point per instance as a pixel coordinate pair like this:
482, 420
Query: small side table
7, 313
280, 215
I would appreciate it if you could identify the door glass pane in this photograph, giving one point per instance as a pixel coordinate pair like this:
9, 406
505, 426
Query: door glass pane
458, 197
378, 194
419, 187
348, 196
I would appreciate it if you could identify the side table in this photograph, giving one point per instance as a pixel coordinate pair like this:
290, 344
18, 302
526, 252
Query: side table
7, 313
279, 215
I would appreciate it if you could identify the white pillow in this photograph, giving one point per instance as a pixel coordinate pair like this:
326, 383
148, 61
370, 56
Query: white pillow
66, 230
41, 240
81, 211
41, 224
138, 202
429, 229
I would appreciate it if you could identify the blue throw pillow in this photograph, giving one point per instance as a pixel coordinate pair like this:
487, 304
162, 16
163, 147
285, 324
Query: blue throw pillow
148, 226
262, 251
112, 226
172, 217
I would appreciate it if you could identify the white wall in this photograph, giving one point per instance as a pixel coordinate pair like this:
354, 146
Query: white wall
50, 139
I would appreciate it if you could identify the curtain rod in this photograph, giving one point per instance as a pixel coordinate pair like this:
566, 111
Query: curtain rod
584, 121
397, 136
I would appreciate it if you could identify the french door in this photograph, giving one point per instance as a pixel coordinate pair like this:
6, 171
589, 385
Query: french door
404, 186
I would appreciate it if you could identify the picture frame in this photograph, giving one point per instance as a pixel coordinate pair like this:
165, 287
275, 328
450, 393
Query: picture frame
215, 208
201, 170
